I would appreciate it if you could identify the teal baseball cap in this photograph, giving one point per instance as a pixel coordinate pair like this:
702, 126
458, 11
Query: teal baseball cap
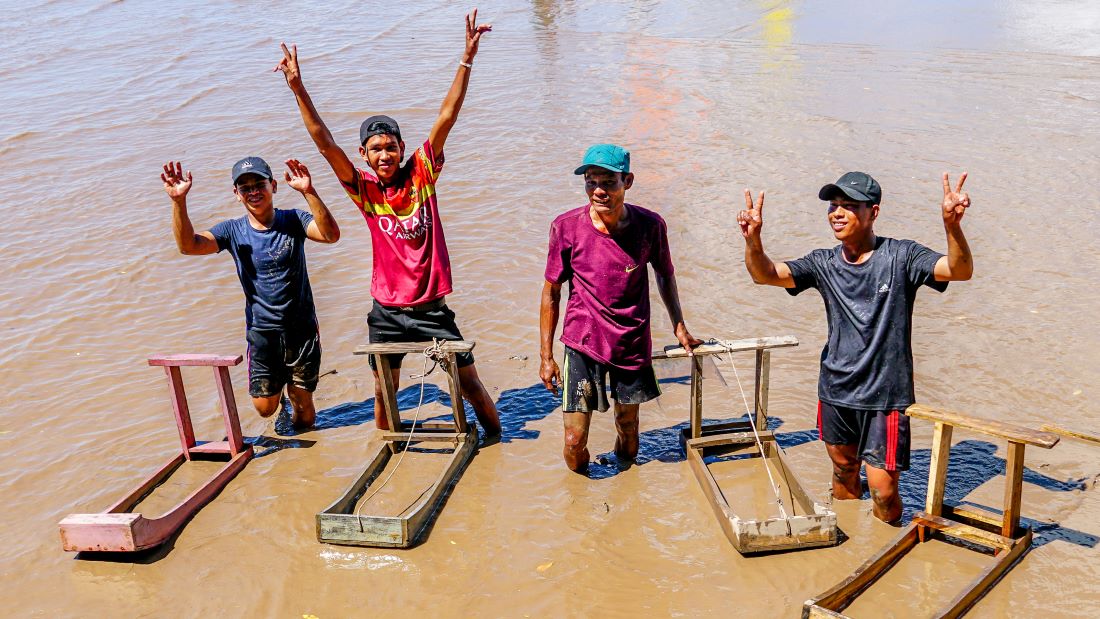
606, 156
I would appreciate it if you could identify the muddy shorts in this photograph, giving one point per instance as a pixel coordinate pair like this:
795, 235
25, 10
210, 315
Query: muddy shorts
277, 357
882, 436
421, 323
586, 384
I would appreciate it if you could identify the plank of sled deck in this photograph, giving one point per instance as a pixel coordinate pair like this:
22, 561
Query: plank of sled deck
229, 410
154, 480
865, 575
937, 471
695, 414
455, 346
712, 493
1080, 436
973, 516
458, 409
179, 409
389, 393
1014, 487
966, 532
733, 438
352, 530
419, 516
192, 360
763, 376
985, 581
999, 429
676, 352
817, 612
426, 437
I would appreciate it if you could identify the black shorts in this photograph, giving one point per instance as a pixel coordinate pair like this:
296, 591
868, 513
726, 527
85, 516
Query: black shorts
882, 436
586, 384
280, 356
391, 324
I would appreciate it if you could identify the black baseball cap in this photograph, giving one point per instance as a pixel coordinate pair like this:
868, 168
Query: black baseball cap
251, 165
378, 125
856, 185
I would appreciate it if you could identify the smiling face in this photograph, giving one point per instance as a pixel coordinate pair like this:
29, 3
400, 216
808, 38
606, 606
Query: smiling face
384, 154
850, 220
606, 189
256, 193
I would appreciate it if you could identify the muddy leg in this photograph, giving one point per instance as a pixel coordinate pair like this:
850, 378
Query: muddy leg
576, 441
845, 471
626, 429
474, 392
883, 485
266, 406
305, 414
379, 406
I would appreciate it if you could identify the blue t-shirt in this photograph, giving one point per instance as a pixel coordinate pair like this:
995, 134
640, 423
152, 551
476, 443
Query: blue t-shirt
867, 362
271, 265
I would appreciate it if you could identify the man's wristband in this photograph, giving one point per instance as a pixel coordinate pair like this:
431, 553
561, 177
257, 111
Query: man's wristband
468, 65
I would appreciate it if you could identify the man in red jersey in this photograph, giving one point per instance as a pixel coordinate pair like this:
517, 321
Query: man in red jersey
411, 268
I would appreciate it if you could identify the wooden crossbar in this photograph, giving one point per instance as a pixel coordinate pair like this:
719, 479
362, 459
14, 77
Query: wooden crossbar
999, 429
714, 348
396, 348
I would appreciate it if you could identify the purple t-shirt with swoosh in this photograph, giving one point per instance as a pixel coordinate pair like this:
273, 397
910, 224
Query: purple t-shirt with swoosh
607, 315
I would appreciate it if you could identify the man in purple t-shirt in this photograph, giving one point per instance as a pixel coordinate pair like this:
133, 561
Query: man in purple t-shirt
602, 249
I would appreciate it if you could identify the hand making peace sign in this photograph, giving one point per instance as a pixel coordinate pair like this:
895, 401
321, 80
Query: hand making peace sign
289, 66
473, 35
955, 201
752, 218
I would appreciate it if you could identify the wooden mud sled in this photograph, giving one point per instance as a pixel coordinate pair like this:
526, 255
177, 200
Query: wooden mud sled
454, 440
119, 529
977, 529
801, 522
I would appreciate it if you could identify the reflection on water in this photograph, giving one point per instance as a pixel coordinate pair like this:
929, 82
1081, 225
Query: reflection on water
710, 97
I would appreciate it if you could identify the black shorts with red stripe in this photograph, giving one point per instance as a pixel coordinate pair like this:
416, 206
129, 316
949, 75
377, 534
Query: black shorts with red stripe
882, 436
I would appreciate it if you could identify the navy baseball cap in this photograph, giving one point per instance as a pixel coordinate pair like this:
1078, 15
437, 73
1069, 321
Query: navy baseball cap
251, 165
378, 125
858, 186
606, 156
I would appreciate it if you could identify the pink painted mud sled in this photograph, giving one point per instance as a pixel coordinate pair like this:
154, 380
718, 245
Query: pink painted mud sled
118, 529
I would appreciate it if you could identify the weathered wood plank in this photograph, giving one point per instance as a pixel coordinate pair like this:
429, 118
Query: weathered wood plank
733, 438
183, 360
1014, 483
760, 395
137, 494
1000, 429
179, 409
229, 410
937, 471
675, 352
455, 346
376, 463
974, 516
419, 435
1080, 436
389, 392
695, 414
712, 492
458, 407
963, 531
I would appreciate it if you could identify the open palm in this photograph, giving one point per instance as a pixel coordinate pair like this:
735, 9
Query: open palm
176, 185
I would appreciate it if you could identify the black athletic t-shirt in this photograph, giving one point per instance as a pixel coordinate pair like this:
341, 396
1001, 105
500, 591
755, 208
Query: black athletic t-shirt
867, 362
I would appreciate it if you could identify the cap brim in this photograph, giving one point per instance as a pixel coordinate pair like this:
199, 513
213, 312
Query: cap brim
828, 192
584, 168
261, 174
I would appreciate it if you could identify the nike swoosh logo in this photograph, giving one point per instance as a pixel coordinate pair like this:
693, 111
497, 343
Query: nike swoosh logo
631, 268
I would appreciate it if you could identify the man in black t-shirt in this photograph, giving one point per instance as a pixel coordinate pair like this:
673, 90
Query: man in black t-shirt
869, 284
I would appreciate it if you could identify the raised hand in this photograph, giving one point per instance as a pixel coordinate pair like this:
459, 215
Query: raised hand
175, 184
955, 201
297, 176
289, 66
473, 35
752, 218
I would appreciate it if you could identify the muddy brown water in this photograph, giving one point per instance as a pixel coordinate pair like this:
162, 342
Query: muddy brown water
710, 98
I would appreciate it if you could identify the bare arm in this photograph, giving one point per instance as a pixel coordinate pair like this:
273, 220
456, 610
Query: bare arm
323, 228
452, 103
548, 324
335, 156
762, 269
670, 295
177, 186
958, 264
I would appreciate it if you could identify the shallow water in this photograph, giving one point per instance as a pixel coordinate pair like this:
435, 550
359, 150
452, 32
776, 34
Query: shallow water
710, 98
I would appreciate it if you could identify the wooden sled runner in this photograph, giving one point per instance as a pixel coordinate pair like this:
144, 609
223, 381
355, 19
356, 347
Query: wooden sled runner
999, 534
802, 522
340, 523
118, 529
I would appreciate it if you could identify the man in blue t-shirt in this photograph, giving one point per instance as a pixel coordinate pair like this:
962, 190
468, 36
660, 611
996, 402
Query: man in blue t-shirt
869, 284
267, 245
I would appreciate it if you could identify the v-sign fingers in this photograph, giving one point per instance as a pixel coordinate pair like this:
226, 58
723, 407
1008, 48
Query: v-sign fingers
748, 199
959, 187
760, 204
946, 184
